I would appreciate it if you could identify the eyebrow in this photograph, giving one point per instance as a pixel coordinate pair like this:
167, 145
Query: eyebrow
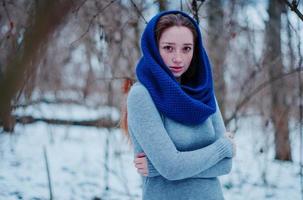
172, 43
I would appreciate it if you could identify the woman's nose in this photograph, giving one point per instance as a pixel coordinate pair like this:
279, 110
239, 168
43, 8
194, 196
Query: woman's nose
177, 59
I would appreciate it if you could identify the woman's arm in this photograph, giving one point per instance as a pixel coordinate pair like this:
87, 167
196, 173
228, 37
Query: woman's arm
221, 168
146, 126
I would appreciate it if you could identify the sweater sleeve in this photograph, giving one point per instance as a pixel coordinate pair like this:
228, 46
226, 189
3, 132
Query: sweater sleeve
218, 122
146, 126
221, 168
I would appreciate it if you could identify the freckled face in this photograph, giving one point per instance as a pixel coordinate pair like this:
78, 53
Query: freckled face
176, 46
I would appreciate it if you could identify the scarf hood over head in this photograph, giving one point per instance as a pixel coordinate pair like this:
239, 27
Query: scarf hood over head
191, 102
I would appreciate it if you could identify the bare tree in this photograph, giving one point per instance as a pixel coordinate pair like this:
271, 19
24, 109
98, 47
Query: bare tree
66, 60
46, 17
217, 46
273, 61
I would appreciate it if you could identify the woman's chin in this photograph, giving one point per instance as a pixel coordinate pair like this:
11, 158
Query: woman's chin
177, 75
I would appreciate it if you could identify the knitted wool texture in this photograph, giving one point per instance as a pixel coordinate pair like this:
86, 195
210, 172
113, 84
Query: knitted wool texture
188, 103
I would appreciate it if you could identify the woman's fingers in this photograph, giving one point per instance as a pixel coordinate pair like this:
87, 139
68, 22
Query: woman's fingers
139, 160
141, 164
140, 155
142, 172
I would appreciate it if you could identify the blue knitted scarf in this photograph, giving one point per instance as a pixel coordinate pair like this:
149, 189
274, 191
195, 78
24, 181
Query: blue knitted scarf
188, 103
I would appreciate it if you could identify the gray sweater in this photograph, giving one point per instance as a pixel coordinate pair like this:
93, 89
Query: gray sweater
183, 161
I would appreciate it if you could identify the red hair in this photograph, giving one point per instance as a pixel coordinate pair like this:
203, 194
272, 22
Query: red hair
123, 120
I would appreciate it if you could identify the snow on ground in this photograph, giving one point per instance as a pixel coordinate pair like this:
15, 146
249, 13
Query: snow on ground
255, 174
76, 158
81, 168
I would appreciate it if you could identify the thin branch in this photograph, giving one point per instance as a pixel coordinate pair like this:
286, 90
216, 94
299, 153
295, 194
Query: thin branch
248, 97
294, 7
138, 11
48, 173
6, 11
202, 1
301, 128
92, 20
80, 5
300, 111
253, 74
11, 23
106, 163
181, 5
195, 10
108, 189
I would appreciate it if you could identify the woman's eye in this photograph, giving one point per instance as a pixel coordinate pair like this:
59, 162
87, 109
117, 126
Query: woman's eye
186, 49
168, 48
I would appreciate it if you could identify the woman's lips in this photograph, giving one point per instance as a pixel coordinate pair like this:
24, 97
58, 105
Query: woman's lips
176, 69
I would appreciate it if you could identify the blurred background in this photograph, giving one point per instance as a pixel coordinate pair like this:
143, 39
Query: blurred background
63, 67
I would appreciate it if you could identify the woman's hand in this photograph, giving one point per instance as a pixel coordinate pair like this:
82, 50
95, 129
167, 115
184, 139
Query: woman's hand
141, 164
231, 136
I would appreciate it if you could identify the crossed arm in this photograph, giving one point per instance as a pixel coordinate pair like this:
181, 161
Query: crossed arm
149, 135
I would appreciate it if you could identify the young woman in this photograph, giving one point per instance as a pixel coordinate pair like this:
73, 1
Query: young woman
172, 117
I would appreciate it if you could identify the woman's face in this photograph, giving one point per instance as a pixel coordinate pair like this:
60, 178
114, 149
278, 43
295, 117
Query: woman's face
176, 46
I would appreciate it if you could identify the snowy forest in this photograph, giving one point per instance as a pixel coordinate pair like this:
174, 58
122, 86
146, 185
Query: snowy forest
64, 66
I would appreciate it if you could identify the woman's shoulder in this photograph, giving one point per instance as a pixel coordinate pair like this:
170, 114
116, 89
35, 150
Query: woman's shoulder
137, 84
138, 92
138, 89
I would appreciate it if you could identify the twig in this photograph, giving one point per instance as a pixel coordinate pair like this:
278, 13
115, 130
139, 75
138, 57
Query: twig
301, 129
11, 24
181, 5
80, 5
6, 11
48, 174
91, 21
202, 1
294, 7
106, 162
258, 89
300, 111
138, 11
195, 10
123, 177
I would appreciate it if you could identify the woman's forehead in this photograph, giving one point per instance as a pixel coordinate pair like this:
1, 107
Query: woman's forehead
178, 34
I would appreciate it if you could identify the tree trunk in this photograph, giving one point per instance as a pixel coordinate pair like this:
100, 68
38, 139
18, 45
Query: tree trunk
47, 15
273, 60
217, 46
162, 4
